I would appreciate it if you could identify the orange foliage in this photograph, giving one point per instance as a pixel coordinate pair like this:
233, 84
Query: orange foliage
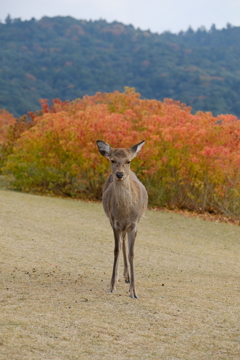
188, 161
6, 120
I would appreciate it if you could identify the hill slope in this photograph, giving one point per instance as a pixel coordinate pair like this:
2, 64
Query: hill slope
56, 262
66, 58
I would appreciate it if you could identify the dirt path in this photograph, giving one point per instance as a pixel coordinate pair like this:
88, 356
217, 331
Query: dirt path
55, 265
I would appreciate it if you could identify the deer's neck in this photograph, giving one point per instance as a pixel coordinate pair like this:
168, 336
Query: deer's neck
123, 193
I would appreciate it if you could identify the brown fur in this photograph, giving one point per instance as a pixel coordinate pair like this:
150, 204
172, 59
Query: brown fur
124, 202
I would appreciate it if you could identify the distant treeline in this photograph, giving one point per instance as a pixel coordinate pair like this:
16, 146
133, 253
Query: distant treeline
65, 58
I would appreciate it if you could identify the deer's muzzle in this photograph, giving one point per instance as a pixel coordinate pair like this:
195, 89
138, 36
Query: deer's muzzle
119, 175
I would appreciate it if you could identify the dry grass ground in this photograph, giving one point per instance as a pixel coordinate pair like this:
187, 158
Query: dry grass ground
56, 262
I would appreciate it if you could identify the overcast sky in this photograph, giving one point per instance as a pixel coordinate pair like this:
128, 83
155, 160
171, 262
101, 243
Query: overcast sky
156, 15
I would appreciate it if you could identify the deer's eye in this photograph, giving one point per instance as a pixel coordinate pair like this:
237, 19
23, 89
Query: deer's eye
128, 162
113, 161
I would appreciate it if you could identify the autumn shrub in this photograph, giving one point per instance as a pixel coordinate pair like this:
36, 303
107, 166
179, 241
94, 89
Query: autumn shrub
10, 131
7, 120
188, 161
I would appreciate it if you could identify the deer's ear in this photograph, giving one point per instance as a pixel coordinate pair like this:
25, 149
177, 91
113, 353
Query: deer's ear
136, 148
104, 148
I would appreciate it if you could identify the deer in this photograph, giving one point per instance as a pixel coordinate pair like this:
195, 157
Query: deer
124, 201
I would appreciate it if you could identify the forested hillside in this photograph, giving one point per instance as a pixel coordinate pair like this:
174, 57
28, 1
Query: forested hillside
66, 58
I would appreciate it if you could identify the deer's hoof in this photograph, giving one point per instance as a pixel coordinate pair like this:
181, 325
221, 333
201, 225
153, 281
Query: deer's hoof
112, 291
127, 281
133, 296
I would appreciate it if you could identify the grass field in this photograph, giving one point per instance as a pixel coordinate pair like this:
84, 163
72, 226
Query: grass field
55, 268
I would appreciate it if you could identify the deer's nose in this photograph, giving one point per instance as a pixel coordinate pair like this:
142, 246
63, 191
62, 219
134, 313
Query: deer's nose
119, 175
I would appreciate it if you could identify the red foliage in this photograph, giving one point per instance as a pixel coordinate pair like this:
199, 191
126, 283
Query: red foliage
6, 120
188, 161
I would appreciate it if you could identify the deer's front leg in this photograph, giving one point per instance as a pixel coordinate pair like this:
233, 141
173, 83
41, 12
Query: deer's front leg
117, 247
125, 273
131, 241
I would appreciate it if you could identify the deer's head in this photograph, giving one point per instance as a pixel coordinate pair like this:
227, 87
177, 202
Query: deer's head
120, 158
